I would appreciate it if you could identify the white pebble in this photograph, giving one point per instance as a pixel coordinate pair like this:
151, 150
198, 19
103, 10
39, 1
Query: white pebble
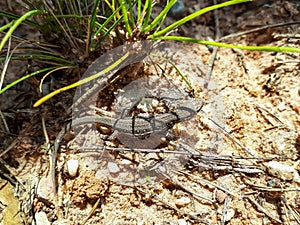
72, 166
284, 143
282, 171
183, 201
182, 222
113, 167
45, 188
41, 218
281, 107
229, 215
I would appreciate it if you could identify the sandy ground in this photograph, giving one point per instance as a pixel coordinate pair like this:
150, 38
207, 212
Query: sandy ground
246, 175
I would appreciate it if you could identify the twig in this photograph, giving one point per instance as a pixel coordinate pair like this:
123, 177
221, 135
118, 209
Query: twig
16, 141
145, 150
249, 151
258, 29
208, 183
270, 189
4, 122
293, 212
175, 181
92, 211
260, 109
262, 209
45, 132
215, 49
12, 179
225, 210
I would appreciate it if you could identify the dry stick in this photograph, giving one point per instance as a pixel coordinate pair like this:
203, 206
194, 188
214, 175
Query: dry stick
259, 29
285, 212
270, 189
225, 210
260, 109
45, 132
174, 180
92, 211
262, 209
4, 121
249, 151
208, 183
215, 49
16, 141
116, 149
293, 211
10, 179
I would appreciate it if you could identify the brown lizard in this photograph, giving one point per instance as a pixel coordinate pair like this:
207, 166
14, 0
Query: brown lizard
137, 125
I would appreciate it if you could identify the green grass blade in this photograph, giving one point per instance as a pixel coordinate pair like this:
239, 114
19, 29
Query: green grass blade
47, 58
147, 9
3, 28
26, 77
83, 81
131, 13
103, 28
125, 17
194, 15
224, 45
16, 24
176, 68
16, 17
108, 31
160, 17
139, 7
93, 17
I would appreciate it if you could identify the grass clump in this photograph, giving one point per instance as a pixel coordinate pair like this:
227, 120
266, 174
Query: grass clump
77, 32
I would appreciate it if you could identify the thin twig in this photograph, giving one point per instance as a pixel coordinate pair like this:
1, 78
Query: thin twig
92, 211
249, 151
260, 109
292, 211
4, 122
262, 209
215, 49
208, 183
259, 29
45, 133
225, 209
175, 181
16, 141
270, 189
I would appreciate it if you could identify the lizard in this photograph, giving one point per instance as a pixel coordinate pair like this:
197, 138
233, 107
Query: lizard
137, 125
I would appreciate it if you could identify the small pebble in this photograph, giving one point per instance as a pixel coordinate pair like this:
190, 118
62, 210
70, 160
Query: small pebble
282, 171
41, 218
220, 196
113, 167
182, 222
45, 188
72, 167
229, 215
177, 9
183, 201
284, 143
281, 107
